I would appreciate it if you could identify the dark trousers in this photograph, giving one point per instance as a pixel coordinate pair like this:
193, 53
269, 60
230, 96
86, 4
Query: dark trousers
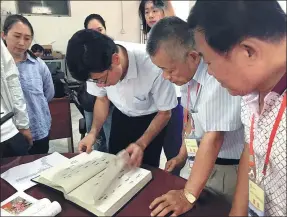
173, 137
40, 146
126, 130
15, 146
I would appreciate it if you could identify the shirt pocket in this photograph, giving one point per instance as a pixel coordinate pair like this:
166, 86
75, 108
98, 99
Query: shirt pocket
141, 102
34, 86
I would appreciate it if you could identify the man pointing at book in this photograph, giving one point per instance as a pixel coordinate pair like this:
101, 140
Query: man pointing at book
123, 74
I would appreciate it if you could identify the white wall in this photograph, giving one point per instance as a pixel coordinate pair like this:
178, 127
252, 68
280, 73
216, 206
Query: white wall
59, 29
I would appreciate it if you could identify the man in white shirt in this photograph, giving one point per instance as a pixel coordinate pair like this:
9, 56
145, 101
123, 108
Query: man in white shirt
13, 143
244, 43
213, 132
126, 76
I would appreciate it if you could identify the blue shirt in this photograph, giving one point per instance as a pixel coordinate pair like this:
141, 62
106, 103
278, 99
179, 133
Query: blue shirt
38, 88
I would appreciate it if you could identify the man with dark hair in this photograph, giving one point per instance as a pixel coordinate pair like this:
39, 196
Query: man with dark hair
211, 117
37, 50
244, 44
143, 99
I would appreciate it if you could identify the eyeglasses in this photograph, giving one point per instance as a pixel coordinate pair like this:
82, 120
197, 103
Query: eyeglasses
99, 80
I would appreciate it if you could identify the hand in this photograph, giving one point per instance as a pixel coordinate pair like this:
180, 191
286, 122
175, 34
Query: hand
177, 161
28, 135
86, 144
136, 152
174, 201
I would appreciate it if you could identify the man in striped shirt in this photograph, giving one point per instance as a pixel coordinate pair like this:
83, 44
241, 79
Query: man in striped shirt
244, 43
213, 131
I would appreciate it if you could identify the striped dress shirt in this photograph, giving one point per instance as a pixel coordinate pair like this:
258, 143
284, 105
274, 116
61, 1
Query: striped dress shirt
214, 109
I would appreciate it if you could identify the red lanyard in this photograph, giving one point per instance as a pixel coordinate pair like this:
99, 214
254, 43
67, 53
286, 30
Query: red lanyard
186, 114
271, 139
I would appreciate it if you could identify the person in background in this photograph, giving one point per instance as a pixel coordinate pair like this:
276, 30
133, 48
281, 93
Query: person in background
35, 77
16, 137
143, 99
97, 23
37, 50
150, 13
244, 45
213, 130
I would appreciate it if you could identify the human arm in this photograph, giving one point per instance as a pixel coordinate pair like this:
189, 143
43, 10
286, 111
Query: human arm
240, 199
100, 114
169, 10
214, 124
204, 162
48, 85
179, 160
12, 92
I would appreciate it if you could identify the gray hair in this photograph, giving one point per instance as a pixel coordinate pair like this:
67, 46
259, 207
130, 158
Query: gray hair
173, 35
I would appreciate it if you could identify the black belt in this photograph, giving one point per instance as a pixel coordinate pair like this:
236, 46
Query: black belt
222, 161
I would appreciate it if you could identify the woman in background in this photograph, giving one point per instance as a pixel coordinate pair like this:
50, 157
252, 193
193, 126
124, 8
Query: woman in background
35, 78
150, 13
97, 23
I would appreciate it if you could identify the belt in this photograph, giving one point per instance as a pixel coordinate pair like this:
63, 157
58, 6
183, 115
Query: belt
223, 161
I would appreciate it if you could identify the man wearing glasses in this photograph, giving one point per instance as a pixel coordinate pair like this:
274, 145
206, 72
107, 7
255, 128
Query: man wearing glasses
123, 74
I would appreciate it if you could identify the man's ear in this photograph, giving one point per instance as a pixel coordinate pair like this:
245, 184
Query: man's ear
194, 57
3, 36
116, 59
250, 48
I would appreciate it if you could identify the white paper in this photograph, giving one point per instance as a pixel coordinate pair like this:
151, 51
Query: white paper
77, 170
110, 173
20, 176
20, 200
52, 210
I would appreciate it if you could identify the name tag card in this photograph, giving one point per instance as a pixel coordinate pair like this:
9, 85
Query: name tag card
256, 199
191, 148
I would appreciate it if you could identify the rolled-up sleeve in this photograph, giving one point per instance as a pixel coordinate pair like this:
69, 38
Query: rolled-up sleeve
48, 85
163, 93
94, 90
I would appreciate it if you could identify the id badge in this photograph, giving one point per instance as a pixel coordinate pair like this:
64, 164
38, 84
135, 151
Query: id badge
191, 148
256, 205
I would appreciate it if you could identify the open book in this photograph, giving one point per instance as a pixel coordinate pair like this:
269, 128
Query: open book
98, 182
21, 204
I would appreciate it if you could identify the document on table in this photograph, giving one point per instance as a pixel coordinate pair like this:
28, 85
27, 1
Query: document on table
20, 176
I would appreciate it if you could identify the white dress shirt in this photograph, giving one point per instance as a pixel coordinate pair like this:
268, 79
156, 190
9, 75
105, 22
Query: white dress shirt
215, 110
143, 91
11, 91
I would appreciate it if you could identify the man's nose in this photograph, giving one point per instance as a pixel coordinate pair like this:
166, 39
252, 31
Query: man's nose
21, 41
150, 14
166, 76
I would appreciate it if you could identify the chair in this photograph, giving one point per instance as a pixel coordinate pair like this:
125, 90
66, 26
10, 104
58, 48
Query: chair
61, 121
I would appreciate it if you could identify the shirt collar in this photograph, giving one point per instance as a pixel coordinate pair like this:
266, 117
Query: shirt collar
280, 87
201, 72
132, 68
28, 57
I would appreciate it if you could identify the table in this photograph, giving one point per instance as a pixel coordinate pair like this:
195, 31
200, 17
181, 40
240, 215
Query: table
209, 204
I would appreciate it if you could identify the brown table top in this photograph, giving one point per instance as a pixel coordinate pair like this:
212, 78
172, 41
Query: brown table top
209, 203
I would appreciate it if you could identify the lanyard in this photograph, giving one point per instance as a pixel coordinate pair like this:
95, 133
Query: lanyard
271, 139
186, 114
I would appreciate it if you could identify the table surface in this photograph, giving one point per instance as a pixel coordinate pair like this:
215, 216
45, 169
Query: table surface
209, 203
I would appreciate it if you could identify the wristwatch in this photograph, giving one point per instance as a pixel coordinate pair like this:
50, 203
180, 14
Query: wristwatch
189, 196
